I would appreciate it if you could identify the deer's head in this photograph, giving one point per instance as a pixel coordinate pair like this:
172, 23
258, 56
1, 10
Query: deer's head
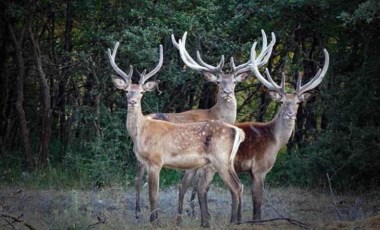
226, 81
134, 92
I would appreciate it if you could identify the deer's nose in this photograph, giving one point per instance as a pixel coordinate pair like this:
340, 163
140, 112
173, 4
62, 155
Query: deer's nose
291, 114
132, 101
227, 90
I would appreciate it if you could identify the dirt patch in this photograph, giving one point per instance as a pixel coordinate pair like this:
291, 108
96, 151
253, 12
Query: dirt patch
113, 208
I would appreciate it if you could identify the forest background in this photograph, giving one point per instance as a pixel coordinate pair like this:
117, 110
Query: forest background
62, 122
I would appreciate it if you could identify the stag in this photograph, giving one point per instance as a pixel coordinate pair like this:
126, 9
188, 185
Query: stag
258, 152
225, 107
159, 144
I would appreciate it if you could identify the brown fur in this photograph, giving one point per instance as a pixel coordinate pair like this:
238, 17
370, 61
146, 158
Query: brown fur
258, 136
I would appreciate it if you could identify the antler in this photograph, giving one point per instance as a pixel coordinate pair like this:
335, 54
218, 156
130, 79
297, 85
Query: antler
126, 77
261, 60
271, 84
316, 80
190, 62
144, 77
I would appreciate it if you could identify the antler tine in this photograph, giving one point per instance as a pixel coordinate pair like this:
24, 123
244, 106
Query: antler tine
271, 85
112, 56
186, 58
241, 68
299, 81
317, 79
130, 72
263, 57
142, 74
279, 88
211, 68
190, 62
264, 47
232, 64
177, 45
282, 85
144, 77
266, 50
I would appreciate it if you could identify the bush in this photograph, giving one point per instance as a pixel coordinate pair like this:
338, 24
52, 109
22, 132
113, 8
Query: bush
348, 159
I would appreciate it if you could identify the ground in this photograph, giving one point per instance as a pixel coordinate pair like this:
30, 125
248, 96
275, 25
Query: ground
113, 208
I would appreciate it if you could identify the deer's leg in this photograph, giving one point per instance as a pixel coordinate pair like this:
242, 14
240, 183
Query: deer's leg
206, 175
232, 181
154, 179
257, 195
239, 211
252, 187
140, 170
192, 198
186, 181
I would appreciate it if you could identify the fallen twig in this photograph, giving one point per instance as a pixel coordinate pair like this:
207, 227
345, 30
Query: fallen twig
100, 221
18, 220
270, 204
333, 197
8, 222
292, 221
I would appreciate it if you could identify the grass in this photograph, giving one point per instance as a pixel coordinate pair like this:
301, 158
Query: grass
96, 191
78, 176
113, 208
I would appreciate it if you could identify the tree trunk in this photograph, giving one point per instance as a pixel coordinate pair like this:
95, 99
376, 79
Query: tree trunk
17, 43
92, 96
5, 91
310, 121
208, 96
263, 105
62, 97
46, 100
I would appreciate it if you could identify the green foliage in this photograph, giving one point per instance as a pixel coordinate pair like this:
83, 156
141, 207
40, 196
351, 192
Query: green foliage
170, 177
91, 161
348, 159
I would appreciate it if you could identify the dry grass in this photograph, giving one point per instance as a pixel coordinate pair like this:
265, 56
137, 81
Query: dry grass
113, 208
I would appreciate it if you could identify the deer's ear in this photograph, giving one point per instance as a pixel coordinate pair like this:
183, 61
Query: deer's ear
305, 96
275, 96
209, 76
150, 85
242, 76
119, 82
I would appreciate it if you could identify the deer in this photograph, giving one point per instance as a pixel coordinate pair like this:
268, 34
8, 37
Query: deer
158, 143
225, 107
258, 152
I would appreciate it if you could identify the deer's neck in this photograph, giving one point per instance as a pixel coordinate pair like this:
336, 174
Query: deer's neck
225, 110
135, 120
283, 128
